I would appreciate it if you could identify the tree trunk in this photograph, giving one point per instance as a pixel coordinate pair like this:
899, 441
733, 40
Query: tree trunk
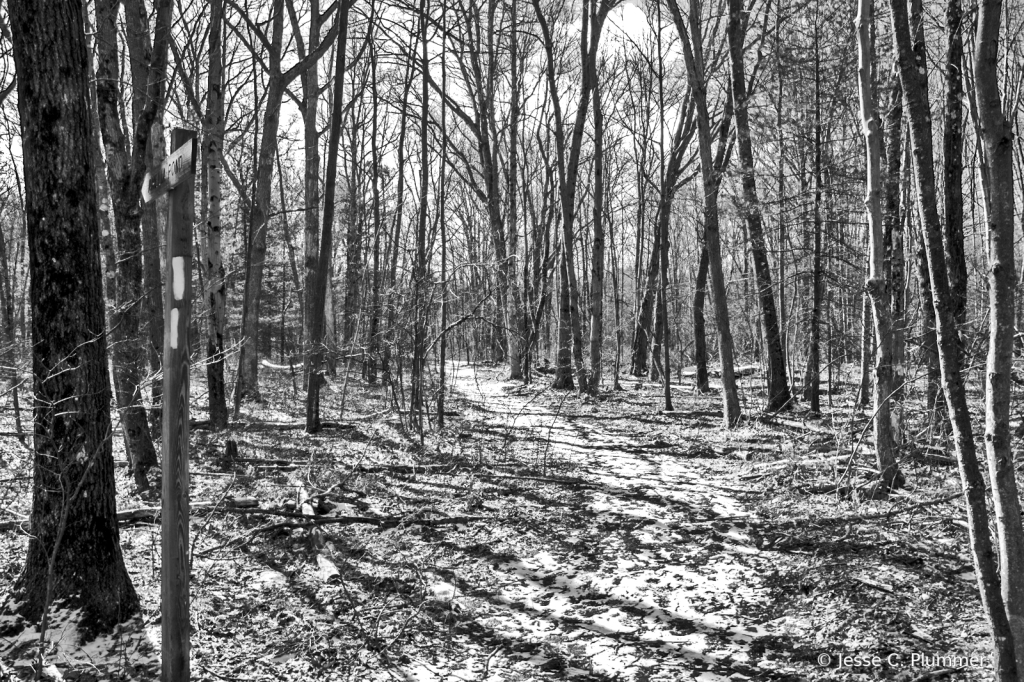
442, 350
353, 242
518, 325
700, 336
877, 285
666, 330
563, 355
216, 292
126, 167
152, 276
310, 82
373, 333
913, 76
140, 58
597, 254
74, 553
711, 172
934, 400
866, 351
568, 154
643, 333
998, 141
247, 380
392, 305
778, 383
10, 352
812, 375
321, 284
952, 156
893, 231
781, 184
419, 273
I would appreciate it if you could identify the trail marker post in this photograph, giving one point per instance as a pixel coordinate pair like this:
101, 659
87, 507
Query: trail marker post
176, 178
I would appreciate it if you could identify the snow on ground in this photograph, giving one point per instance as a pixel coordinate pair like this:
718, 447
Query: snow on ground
643, 600
128, 653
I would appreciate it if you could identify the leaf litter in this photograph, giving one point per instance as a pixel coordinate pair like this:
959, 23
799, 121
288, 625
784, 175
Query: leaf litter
542, 535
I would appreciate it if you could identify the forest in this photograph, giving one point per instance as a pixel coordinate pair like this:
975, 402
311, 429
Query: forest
509, 340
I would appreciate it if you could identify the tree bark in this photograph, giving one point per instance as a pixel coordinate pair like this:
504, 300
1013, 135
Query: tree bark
310, 82
140, 56
563, 354
417, 400
318, 295
126, 166
997, 134
913, 76
74, 553
893, 228
247, 380
877, 285
568, 156
152, 279
373, 333
812, 375
953, 165
711, 172
518, 327
216, 291
778, 384
597, 252
866, 351
700, 337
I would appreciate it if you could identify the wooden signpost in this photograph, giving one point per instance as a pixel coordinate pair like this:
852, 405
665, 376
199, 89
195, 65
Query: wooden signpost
176, 178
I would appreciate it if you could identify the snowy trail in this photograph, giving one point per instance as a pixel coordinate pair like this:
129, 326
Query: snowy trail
651, 587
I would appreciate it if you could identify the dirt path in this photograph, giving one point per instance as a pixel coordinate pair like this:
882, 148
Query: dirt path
646, 575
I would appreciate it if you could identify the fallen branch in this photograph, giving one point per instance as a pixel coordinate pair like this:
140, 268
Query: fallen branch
578, 482
204, 425
403, 469
390, 522
936, 674
152, 514
249, 506
848, 518
794, 424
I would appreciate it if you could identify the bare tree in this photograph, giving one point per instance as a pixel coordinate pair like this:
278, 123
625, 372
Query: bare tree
247, 383
778, 383
878, 283
568, 153
126, 166
997, 138
711, 172
318, 296
74, 552
216, 292
913, 76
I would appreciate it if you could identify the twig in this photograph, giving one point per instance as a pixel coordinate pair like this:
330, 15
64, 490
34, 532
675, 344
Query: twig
936, 674
861, 517
390, 522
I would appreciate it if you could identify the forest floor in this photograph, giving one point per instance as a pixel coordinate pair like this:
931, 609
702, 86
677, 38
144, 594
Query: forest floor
541, 535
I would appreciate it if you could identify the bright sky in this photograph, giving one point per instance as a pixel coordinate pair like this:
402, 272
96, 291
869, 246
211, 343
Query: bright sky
630, 20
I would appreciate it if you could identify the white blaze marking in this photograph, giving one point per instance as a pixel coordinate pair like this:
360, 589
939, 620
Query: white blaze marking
178, 266
174, 328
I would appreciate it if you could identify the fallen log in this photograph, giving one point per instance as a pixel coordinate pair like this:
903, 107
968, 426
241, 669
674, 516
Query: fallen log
389, 522
152, 514
204, 425
403, 468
